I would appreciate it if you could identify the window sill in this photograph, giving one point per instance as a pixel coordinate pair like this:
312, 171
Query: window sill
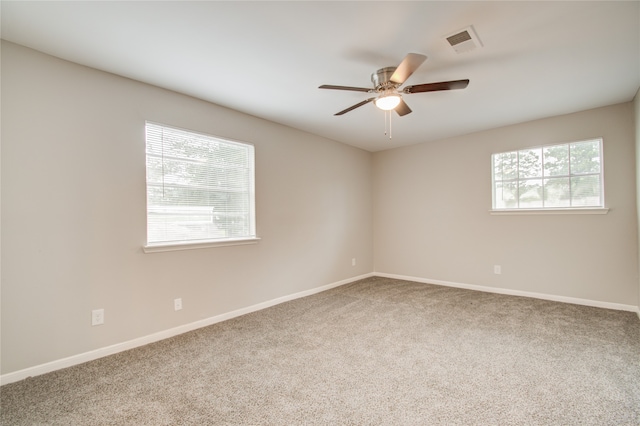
590, 210
188, 245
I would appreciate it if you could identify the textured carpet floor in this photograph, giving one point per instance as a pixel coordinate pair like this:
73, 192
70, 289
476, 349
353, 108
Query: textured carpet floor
373, 352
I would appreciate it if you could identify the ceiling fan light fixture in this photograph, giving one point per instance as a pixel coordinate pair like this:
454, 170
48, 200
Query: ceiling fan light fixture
387, 102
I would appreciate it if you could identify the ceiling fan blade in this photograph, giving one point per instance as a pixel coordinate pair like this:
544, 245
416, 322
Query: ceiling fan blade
351, 108
409, 64
403, 108
434, 87
353, 89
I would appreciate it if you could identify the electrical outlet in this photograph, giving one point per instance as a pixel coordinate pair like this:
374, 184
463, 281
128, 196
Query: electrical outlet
497, 269
97, 317
177, 304
353, 262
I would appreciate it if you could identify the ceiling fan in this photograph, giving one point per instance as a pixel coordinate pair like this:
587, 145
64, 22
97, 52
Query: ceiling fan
387, 82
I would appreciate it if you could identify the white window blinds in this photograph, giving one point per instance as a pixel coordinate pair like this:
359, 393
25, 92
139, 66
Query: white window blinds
567, 176
199, 188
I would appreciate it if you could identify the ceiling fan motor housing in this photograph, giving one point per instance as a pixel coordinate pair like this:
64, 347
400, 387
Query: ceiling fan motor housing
381, 79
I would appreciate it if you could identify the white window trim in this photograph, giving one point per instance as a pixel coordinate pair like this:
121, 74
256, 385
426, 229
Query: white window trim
554, 210
192, 245
166, 246
574, 210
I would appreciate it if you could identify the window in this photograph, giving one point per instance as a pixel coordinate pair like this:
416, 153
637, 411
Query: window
567, 176
200, 188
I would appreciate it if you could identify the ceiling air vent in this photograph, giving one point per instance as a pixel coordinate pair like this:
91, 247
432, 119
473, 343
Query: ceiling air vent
464, 40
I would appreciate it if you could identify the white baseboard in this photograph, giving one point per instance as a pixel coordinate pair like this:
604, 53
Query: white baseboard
151, 338
564, 299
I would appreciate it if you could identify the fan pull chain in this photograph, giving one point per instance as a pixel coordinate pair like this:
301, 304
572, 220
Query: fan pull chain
387, 114
385, 123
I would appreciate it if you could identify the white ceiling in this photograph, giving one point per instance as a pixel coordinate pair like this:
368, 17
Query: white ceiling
267, 59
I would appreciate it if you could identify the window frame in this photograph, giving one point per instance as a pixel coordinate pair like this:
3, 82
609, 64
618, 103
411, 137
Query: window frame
189, 244
601, 209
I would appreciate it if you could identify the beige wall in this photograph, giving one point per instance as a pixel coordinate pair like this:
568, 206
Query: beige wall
432, 221
73, 213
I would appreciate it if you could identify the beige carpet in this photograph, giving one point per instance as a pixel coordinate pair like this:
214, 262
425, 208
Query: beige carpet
374, 352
